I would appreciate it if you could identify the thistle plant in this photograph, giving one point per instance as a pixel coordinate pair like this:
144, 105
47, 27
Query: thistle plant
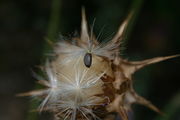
87, 79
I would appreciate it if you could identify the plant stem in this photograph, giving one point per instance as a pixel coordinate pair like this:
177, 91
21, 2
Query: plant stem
52, 32
135, 8
54, 20
171, 108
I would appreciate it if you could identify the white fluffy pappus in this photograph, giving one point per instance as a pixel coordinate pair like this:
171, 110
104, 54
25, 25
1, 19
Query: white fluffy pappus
78, 95
70, 95
72, 51
50, 93
80, 107
87, 43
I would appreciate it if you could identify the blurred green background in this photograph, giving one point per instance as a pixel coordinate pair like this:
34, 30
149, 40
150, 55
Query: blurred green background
25, 24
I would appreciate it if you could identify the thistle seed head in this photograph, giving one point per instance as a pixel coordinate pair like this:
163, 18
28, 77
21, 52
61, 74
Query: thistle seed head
89, 80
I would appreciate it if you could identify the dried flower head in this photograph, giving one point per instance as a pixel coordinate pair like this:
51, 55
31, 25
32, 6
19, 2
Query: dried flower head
89, 80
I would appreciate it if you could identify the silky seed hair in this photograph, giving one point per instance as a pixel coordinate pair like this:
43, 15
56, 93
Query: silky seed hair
89, 80
87, 45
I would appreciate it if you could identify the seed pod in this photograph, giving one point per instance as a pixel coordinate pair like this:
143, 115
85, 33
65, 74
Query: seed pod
88, 60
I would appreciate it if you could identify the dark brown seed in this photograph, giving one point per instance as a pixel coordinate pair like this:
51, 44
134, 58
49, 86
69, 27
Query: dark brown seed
88, 60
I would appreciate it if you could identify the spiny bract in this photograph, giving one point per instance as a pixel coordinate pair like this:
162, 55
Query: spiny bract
89, 80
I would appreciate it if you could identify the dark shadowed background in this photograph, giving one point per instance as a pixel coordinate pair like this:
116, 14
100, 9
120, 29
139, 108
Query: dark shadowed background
24, 25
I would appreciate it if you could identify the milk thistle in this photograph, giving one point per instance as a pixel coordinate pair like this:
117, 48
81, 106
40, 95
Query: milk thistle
90, 80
